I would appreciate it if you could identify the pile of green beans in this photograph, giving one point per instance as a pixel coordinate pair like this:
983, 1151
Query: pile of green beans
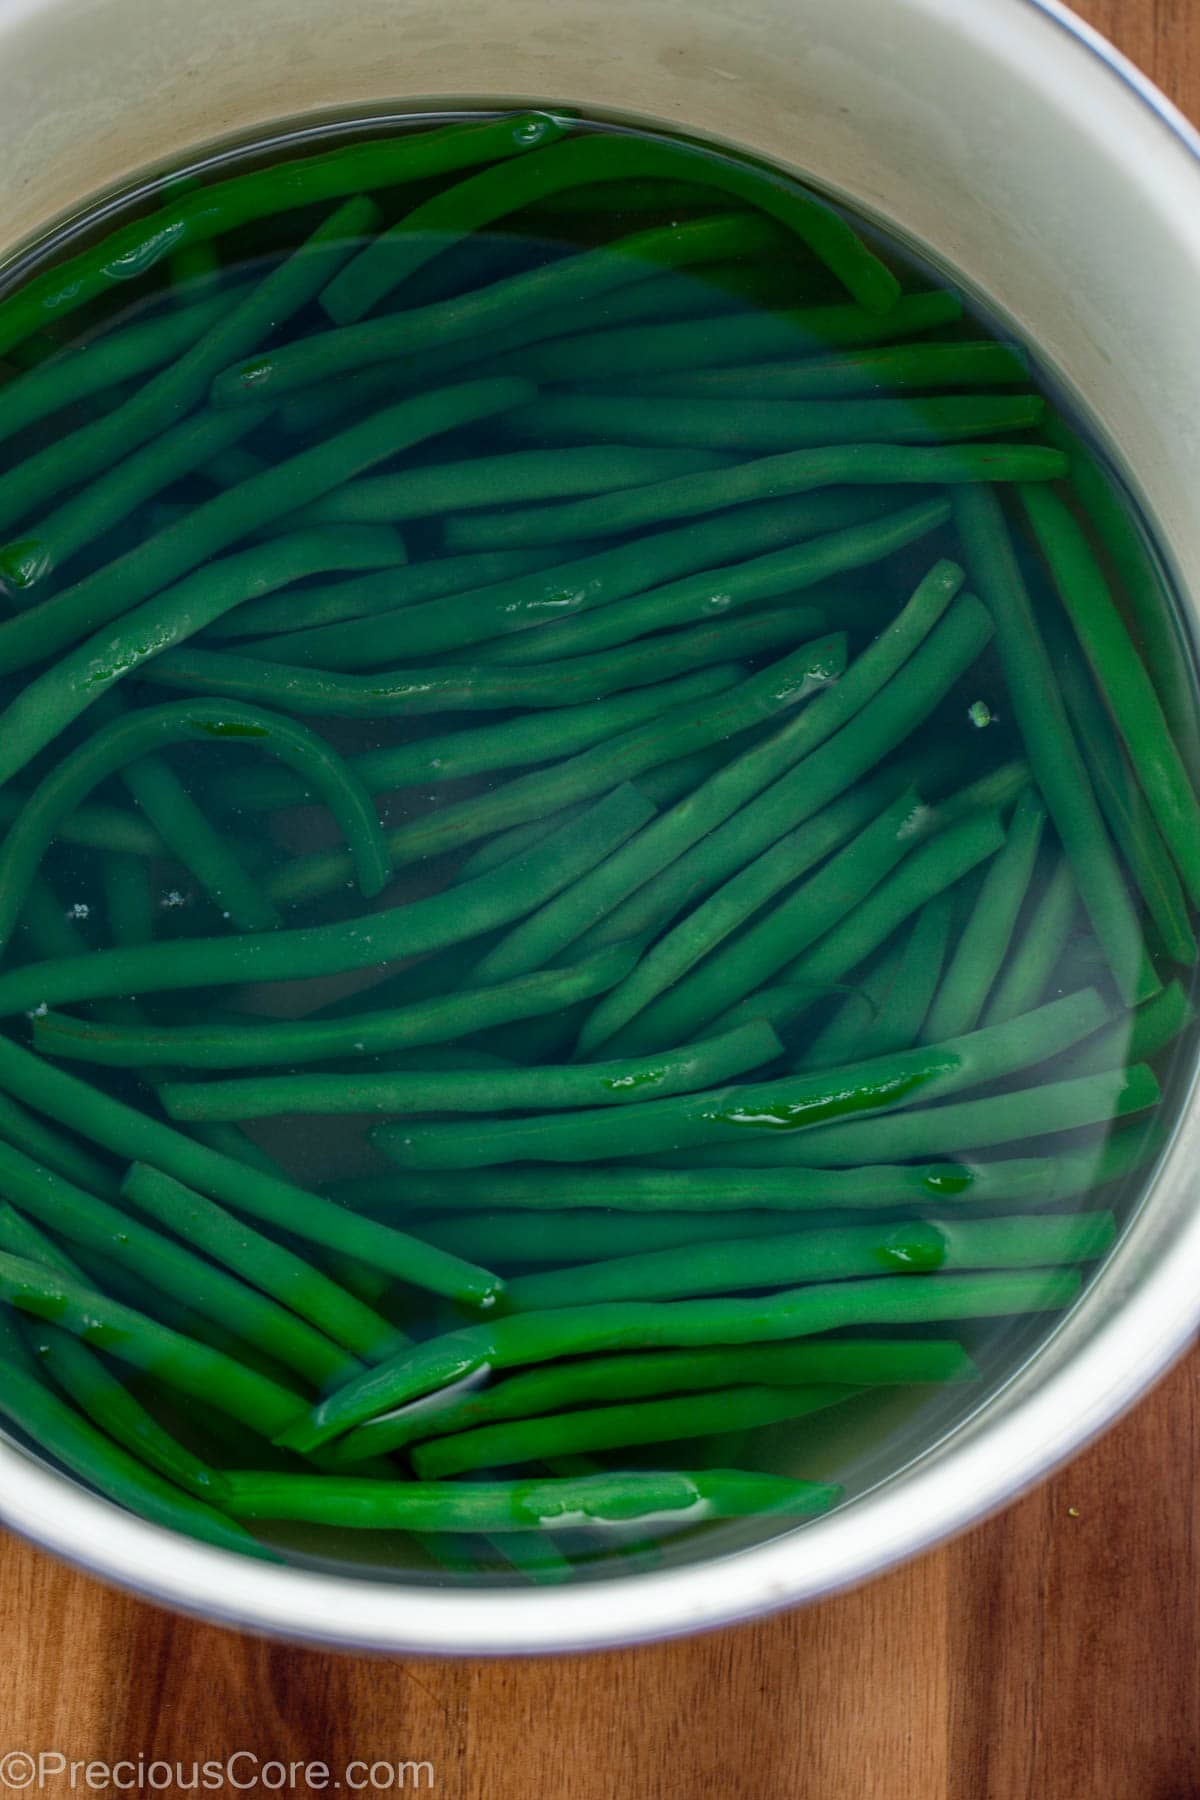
702, 958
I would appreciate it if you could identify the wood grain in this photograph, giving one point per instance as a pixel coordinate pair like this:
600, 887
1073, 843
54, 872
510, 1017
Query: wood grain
1052, 1654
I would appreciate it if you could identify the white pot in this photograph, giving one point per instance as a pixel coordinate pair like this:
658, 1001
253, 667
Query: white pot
1020, 148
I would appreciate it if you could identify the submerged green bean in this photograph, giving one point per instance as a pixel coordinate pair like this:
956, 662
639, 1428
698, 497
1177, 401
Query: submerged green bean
1023, 979
685, 495
632, 1324
916, 1246
510, 1506
631, 1081
792, 1104
896, 368
136, 1137
841, 1362
619, 1427
212, 209
441, 1019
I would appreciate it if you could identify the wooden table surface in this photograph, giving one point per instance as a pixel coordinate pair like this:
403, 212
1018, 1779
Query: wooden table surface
1052, 1654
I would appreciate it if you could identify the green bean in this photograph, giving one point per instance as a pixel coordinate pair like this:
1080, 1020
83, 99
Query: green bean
661, 785
976, 1124
984, 939
799, 567
682, 729
684, 495
512, 476
95, 1459
107, 361
1138, 1036
132, 1337
894, 369
842, 1362
366, 942
1129, 818
1053, 753
94, 511
884, 694
381, 592
771, 424
528, 606
633, 1080
56, 1153
903, 1002
483, 198
619, 1427
633, 1189
185, 830
158, 403
94, 827
216, 208
258, 1259
21, 1237
1144, 588
701, 343
128, 738
107, 593
86, 673
791, 1104
841, 1037
513, 743
1122, 679
113, 1409
611, 1498
532, 1239
912, 1247
681, 1324
440, 1019
136, 1137
82, 1218
468, 316
128, 901
736, 968
1031, 962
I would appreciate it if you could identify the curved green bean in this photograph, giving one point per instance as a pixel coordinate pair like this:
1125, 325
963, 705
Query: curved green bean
915, 1246
604, 156
92, 1456
535, 292
684, 495
793, 1103
619, 1427
117, 587
1138, 1037
1053, 753
98, 826
213, 209
130, 737
136, 1137
632, 1325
